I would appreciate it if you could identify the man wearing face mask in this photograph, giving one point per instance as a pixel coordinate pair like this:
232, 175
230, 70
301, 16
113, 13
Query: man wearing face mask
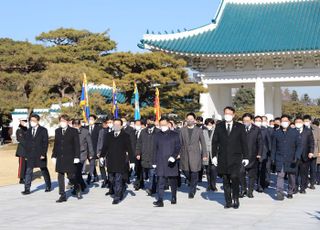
264, 162
145, 152
139, 182
193, 152
313, 160
230, 151
285, 153
106, 128
211, 169
254, 141
66, 155
131, 132
307, 143
94, 130
166, 150
21, 151
36, 146
86, 151
116, 149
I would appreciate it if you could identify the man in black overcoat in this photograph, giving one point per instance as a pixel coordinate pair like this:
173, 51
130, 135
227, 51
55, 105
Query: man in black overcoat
230, 151
117, 149
66, 154
36, 146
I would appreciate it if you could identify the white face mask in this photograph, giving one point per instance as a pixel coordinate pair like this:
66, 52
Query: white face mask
117, 128
91, 122
164, 128
124, 124
33, 124
299, 125
228, 117
110, 125
285, 124
258, 123
209, 127
137, 127
63, 124
307, 123
265, 124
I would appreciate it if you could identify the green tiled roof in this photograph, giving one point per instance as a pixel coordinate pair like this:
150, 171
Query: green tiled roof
249, 28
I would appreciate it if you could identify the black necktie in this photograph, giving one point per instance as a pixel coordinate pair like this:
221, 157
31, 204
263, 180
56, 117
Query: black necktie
247, 129
228, 129
91, 128
116, 134
33, 131
63, 132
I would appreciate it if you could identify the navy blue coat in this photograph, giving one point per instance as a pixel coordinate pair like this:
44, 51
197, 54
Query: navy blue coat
286, 149
166, 145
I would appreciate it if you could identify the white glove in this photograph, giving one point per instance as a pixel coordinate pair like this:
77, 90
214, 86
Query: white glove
132, 165
101, 161
215, 161
245, 162
54, 160
154, 166
76, 161
171, 159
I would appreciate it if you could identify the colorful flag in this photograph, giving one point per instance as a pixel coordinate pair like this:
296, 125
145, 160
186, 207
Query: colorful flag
157, 105
115, 111
84, 100
136, 103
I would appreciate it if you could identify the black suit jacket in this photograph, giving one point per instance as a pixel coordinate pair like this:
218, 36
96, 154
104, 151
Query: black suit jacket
36, 147
95, 137
65, 149
255, 145
307, 143
231, 149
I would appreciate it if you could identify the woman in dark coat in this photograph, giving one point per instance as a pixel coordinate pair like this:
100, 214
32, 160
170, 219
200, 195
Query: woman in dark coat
166, 150
21, 151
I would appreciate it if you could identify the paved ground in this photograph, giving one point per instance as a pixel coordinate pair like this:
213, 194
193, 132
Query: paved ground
39, 211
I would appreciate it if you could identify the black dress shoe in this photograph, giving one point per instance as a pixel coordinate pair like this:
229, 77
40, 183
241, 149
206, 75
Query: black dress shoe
158, 203
109, 193
191, 195
312, 187
303, 191
21, 181
61, 199
236, 204
96, 179
260, 190
290, 196
214, 189
250, 195
115, 201
243, 194
173, 200
26, 192
229, 205
48, 189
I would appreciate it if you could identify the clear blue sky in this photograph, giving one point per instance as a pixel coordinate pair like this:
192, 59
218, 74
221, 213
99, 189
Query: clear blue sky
127, 20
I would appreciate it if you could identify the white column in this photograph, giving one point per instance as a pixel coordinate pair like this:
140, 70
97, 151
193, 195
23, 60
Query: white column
259, 97
277, 101
207, 102
268, 99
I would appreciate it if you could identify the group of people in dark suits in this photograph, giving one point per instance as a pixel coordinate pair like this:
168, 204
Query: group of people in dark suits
152, 155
